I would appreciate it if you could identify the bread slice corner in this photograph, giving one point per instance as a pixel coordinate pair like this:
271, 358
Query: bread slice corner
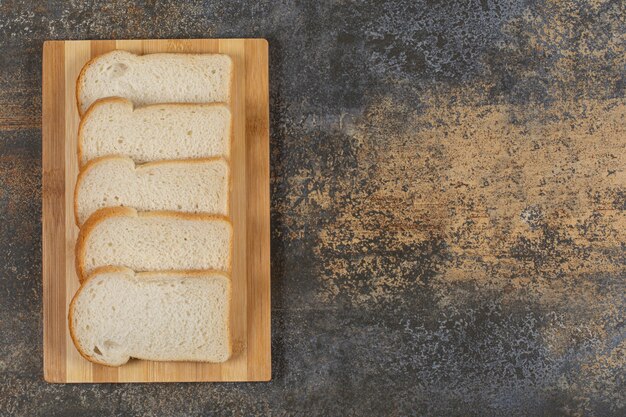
80, 80
88, 227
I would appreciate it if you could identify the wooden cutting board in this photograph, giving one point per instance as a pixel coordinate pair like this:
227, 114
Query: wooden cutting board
250, 307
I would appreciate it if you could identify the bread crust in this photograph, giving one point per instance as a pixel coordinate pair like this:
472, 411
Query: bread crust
92, 163
174, 274
110, 212
102, 101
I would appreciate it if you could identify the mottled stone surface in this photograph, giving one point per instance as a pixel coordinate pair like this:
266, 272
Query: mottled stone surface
448, 207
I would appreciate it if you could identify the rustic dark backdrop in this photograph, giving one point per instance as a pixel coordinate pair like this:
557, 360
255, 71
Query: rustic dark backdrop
448, 206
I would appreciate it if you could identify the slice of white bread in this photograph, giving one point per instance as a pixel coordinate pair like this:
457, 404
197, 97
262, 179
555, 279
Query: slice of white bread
153, 241
170, 316
155, 78
112, 126
191, 186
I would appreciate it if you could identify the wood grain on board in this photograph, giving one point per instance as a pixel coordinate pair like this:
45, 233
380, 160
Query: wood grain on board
250, 307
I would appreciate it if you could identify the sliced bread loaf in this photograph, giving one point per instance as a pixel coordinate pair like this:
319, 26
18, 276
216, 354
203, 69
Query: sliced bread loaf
177, 316
153, 241
192, 186
155, 78
112, 126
